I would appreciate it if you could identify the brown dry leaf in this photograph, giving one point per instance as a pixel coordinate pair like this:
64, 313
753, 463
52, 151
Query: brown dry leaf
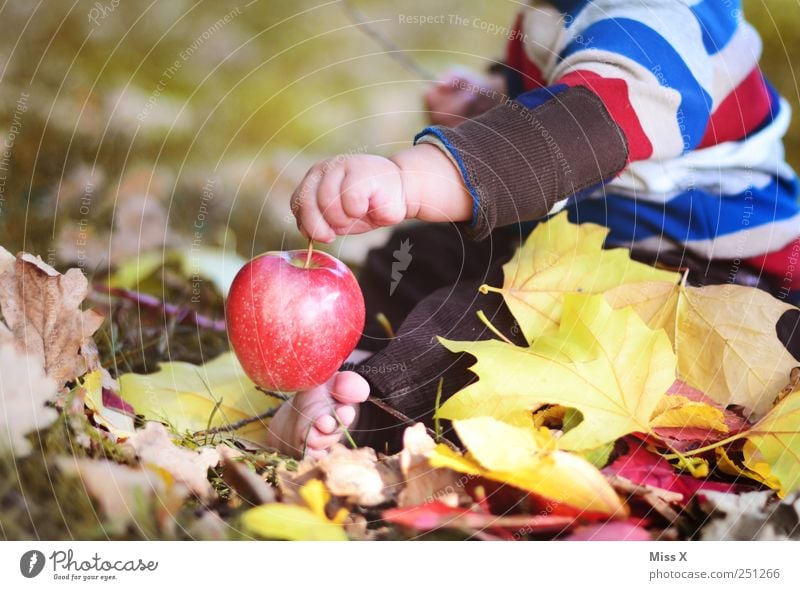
24, 389
353, 474
423, 482
154, 447
41, 308
250, 486
126, 494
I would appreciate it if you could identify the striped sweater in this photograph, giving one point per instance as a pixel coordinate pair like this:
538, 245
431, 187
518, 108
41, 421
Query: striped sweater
651, 117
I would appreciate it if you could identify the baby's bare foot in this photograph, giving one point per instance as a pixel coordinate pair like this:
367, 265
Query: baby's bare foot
307, 423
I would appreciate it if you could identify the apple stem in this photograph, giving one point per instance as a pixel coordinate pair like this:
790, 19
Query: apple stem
310, 252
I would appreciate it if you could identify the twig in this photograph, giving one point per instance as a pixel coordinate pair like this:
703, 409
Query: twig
182, 314
406, 420
238, 424
390, 47
281, 396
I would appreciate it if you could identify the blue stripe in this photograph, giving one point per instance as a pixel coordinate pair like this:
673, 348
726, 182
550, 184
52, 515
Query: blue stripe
690, 216
461, 166
718, 20
642, 44
539, 96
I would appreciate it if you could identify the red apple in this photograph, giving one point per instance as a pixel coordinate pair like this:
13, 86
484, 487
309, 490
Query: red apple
291, 327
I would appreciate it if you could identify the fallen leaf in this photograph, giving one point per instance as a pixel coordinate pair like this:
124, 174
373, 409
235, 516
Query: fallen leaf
645, 468
754, 516
772, 448
297, 523
215, 264
433, 516
24, 390
193, 398
678, 411
727, 465
126, 494
108, 409
558, 258
250, 486
154, 447
724, 336
41, 307
352, 474
609, 531
528, 459
605, 363
423, 483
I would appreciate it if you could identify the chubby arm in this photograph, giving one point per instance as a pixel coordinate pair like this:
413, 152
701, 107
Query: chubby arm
352, 194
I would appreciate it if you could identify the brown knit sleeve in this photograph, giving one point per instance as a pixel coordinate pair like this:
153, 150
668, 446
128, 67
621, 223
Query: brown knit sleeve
520, 163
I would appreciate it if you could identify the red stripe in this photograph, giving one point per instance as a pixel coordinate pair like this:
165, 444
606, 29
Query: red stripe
516, 59
782, 264
614, 94
743, 110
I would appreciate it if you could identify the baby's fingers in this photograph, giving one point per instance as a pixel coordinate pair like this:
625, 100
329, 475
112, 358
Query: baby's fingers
310, 220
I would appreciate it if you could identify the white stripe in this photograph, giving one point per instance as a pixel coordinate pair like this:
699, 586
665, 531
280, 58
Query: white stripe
738, 161
674, 21
741, 244
543, 34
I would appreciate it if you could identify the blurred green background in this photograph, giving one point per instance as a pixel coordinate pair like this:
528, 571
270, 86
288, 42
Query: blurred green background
133, 107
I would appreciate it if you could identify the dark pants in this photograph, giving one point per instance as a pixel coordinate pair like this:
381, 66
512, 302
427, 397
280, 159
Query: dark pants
428, 288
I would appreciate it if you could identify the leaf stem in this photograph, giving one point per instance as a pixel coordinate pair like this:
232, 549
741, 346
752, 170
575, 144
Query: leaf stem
719, 443
437, 427
482, 317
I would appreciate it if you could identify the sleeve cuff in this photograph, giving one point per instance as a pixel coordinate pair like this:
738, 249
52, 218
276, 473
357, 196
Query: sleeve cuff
519, 164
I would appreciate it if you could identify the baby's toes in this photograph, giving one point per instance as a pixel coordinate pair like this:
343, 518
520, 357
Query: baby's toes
349, 388
346, 413
318, 441
326, 424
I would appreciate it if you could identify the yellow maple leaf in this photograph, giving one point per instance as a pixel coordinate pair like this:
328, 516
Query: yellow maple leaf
678, 411
528, 459
724, 336
605, 363
772, 449
192, 398
559, 258
298, 523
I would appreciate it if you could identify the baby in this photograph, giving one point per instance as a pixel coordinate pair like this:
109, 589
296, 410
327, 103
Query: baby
650, 117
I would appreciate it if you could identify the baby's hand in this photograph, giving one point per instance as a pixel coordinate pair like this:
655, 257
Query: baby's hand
349, 194
459, 94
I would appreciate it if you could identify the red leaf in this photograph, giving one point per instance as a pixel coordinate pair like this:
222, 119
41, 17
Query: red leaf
646, 468
114, 401
687, 439
610, 531
436, 515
